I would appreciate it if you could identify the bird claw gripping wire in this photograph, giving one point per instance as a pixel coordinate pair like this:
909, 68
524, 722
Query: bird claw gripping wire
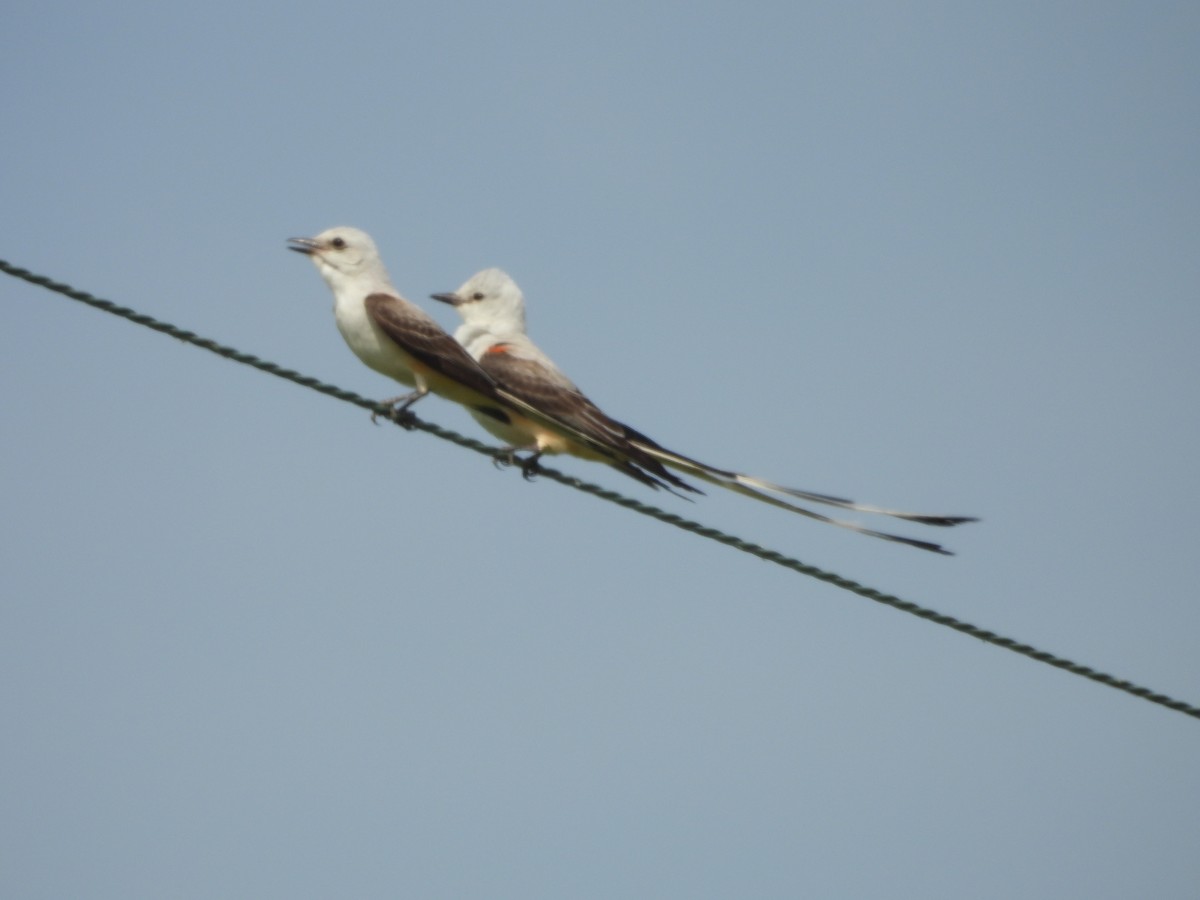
398, 413
507, 456
530, 467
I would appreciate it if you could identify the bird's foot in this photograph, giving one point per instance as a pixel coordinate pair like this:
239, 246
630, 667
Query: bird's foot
507, 456
403, 417
529, 466
397, 410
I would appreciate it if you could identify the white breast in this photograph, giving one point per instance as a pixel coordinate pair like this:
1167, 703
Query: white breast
370, 344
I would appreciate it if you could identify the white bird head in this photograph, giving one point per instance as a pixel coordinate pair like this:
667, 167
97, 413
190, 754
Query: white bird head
345, 257
489, 299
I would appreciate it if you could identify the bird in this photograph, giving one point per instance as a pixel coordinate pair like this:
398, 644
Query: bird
493, 332
400, 340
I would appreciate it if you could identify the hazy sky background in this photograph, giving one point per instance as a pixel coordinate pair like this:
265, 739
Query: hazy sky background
938, 256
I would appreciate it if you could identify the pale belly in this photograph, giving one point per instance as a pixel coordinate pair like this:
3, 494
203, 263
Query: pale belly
372, 346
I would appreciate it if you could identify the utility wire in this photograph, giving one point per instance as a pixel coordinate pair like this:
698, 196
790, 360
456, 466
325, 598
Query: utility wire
637, 506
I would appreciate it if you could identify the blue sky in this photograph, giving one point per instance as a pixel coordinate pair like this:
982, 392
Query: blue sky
935, 256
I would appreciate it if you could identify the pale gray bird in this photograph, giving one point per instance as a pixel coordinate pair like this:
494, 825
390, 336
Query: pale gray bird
493, 332
398, 339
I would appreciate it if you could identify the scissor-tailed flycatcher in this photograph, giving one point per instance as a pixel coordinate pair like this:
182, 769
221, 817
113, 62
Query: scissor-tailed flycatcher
400, 340
493, 332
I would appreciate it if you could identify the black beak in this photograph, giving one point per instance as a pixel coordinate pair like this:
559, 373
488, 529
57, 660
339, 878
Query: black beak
307, 246
452, 299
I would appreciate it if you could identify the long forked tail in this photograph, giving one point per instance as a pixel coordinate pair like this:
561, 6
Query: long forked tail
647, 463
762, 490
922, 518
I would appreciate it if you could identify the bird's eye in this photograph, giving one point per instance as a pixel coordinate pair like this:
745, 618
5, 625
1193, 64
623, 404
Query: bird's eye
338, 243
478, 295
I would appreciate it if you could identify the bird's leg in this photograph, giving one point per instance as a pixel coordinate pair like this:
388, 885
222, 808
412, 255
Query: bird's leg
398, 409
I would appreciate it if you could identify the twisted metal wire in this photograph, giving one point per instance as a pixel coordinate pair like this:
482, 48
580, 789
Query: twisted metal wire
645, 509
